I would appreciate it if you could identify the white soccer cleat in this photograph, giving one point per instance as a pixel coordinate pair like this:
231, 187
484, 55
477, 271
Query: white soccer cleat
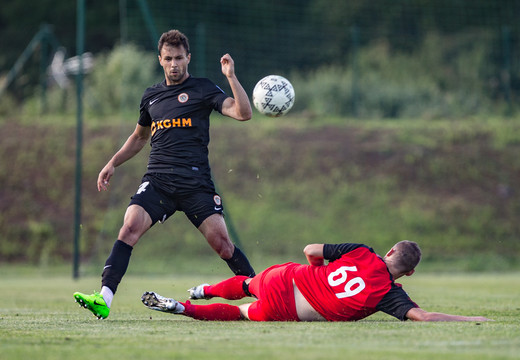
157, 302
197, 292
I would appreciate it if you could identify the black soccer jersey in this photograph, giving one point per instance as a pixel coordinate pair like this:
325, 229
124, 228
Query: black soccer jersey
179, 119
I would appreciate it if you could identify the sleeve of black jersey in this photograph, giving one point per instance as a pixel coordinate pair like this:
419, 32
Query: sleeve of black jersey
333, 252
144, 115
396, 303
215, 95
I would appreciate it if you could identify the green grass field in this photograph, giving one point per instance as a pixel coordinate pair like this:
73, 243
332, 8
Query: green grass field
39, 320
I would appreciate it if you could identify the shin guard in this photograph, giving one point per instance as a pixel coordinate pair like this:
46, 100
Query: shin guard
116, 265
230, 289
215, 312
239, 264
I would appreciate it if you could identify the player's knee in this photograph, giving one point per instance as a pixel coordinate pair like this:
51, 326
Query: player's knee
226, 253
222, 246
136, 223
130, 233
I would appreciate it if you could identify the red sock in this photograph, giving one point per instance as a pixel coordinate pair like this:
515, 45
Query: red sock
230, 289
218, 312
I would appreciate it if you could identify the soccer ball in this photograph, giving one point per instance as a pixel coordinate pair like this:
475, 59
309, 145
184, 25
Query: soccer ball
273, 96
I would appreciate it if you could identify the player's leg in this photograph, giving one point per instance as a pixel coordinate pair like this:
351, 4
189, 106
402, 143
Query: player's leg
205, 211
231, 289
213, 312
148, 205
215, 231
244, 310
136, 223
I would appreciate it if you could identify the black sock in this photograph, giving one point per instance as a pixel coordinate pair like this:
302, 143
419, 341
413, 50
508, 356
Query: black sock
116, 265
239, 264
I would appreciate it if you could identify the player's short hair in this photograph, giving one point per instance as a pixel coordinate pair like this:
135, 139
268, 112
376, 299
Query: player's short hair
174, 38
407, 255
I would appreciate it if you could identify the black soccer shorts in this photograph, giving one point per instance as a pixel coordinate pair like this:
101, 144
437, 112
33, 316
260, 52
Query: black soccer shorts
161, 204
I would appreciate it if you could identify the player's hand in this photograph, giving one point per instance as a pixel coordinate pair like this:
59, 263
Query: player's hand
104, 177
228, 65
480, 318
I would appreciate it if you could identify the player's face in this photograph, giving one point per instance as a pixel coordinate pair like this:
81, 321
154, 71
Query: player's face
174, 61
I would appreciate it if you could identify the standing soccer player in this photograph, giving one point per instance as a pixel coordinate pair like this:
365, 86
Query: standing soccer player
175, 115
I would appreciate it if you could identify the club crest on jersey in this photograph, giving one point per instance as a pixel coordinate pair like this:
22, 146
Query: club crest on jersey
217, 200
183, 98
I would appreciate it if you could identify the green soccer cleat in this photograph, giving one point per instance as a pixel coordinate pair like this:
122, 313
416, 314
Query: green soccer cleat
94, 303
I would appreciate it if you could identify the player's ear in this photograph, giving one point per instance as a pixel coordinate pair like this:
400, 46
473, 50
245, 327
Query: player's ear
410, 273
390, 252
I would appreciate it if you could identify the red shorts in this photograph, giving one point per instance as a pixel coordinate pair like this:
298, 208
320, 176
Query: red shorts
274, 290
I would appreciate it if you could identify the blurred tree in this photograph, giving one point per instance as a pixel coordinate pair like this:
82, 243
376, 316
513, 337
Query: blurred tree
274, 35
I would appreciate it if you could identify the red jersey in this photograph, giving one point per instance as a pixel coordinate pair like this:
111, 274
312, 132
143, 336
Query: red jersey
353, 285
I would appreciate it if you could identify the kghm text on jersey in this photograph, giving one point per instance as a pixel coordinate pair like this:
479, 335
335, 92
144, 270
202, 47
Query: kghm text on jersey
170, 123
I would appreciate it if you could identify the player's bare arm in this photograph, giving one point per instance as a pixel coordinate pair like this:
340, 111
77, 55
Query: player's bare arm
314, 254
135, 142
238, 107
418, 314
